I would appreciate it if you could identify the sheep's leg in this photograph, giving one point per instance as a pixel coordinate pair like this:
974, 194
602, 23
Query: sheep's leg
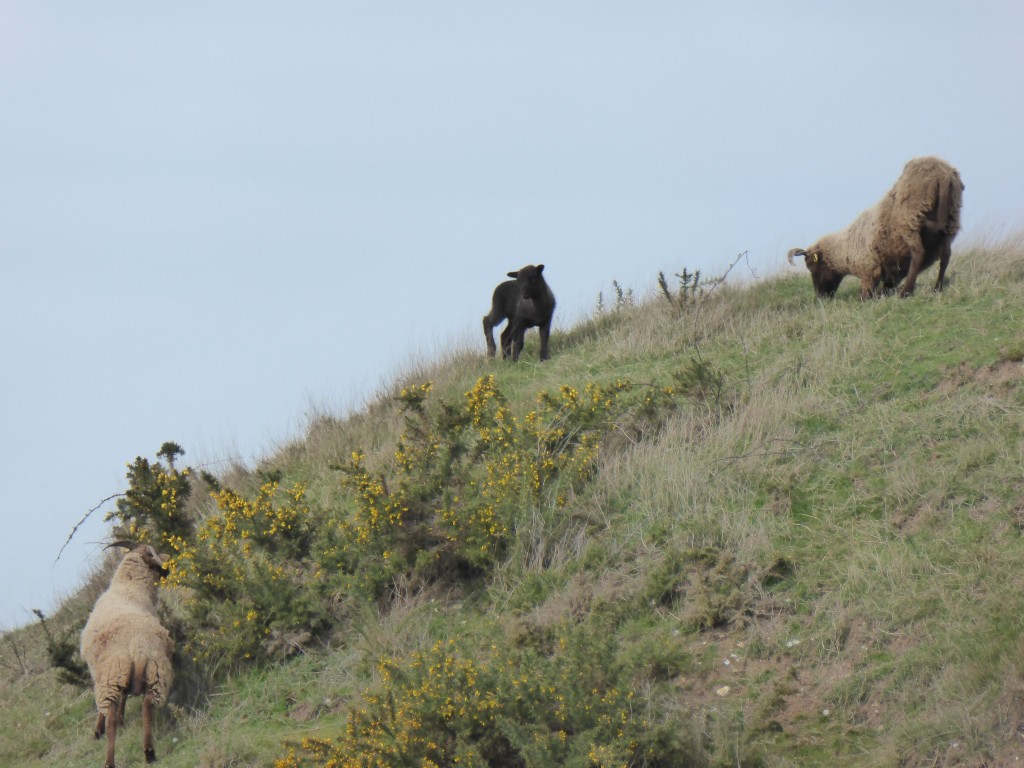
120, 710
867, 288
101, 725
945, 249
147, 727
506, 340
512, 339
112, 712
545, 332
517, 342
916, 260
489, 324
890, 276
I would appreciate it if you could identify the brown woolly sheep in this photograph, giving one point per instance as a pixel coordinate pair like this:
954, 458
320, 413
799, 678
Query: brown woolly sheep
127, 648
910, 228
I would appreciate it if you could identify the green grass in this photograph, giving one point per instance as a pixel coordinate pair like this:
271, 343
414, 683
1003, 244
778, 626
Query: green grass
834, 507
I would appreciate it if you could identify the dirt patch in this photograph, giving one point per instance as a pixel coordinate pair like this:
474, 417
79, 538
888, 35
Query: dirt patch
777, 692
728, 672
304, 711
910, 521
1002, 373
999, 375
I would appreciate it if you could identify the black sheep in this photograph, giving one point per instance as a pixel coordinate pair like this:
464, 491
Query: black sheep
526, 301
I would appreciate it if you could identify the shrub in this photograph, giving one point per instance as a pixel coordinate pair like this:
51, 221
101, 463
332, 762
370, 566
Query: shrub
463, 473
262, 576
251, 593
500, 706
153, 509
248, 591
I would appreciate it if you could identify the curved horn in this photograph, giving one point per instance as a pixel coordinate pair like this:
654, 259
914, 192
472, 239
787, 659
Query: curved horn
126, 543
795, 252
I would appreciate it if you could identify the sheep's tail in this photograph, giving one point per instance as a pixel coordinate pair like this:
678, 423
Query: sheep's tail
942, 204
948, 197
954, 194
158, 677
108, 694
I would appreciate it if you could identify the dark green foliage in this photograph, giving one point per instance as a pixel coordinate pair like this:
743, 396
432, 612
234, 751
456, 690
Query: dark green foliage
210, 479
688, 291
565, 702
705, 384
63, 653
153, 508
707, 586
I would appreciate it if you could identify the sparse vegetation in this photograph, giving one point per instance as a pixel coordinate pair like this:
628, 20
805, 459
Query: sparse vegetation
767, 531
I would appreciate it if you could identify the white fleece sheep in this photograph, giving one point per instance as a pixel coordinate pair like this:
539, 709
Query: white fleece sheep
126, 647
906, 231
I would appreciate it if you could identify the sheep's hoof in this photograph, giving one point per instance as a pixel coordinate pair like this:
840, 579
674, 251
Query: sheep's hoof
150, 755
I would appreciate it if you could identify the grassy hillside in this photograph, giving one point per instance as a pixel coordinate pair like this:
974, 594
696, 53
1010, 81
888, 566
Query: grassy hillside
733, 526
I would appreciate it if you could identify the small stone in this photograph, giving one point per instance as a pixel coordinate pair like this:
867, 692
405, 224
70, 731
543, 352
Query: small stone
723, 691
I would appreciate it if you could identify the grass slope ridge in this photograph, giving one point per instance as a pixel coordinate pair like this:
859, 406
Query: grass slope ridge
798, 544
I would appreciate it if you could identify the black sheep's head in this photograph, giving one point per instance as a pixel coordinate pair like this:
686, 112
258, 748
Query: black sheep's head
530, 279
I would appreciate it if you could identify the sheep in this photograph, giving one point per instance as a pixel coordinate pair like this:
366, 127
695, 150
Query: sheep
127, 649
910, 228
938, 221
526, 301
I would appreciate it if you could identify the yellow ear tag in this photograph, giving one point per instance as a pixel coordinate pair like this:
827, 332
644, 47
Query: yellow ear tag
814, 258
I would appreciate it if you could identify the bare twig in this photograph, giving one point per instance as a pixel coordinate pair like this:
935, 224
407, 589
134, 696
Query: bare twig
82, 521
118, 495
744, 256
721, 279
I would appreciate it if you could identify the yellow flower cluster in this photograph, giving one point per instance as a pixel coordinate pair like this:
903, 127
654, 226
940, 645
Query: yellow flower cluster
377, 509
443, 707
415, 396
467, 471
243, 518
239, 563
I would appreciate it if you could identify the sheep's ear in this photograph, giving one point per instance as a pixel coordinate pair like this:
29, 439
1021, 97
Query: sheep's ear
540, 268
513, 274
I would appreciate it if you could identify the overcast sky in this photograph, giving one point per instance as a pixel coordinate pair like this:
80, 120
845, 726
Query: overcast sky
217, 218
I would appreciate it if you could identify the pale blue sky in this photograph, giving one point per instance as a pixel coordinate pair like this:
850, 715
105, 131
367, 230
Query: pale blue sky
216, 218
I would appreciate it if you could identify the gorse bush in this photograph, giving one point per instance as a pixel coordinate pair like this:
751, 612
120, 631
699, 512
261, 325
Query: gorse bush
503, 705
263, 575
687, 294
247, 572
463, 473
153, 509
62, 652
